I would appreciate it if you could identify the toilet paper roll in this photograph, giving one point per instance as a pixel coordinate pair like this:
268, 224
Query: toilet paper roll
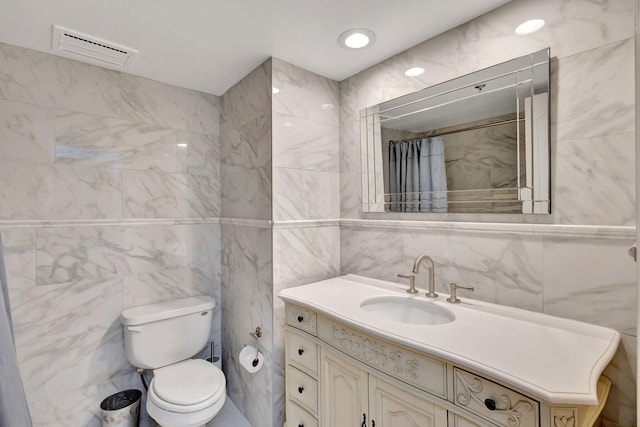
246, 358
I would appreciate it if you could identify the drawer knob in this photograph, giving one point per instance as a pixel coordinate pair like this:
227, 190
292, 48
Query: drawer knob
300, 319
490, 404
300, 389
300, 351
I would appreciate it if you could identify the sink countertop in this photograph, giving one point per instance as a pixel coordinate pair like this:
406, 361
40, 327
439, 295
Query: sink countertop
555, 359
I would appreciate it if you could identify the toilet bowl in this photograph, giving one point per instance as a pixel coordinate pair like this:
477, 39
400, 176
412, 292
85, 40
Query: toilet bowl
186, 394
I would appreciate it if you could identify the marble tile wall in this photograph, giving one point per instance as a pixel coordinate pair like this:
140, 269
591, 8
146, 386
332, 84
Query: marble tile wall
108, 186
305, 158
247, 259
279, 132
593, 174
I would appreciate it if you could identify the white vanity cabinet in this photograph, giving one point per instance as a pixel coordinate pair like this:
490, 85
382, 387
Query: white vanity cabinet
338, 375
352, 396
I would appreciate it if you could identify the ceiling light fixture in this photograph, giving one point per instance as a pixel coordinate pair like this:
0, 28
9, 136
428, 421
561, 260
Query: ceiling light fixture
529, 27
414, 72
327, 106
275, 90
357, 38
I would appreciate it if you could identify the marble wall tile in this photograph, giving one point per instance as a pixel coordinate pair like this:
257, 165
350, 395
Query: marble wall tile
83, 342
246, 193
19, 250
143, 248
503, 270
168, 284
67, 255
149, 101
203, 196
304, 144
322, 201
590, 280
291, 87
305, 255
595, 180
570, 28
371, 253
248, 144
88, 140
84, 193
47, 191
249, 98
592, 96
194, 245
66, 309
287, 204
27, 132
324, 100
78, 407
200, 156
51, 81
304, 94
246, 267
324, 198
159, 195
24, 190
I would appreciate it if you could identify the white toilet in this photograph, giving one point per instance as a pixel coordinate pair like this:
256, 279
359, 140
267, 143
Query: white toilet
184, 392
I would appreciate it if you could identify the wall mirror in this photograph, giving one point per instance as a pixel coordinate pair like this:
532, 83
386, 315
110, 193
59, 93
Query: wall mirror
475, 144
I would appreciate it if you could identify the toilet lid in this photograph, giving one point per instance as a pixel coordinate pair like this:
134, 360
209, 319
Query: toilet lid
187, 383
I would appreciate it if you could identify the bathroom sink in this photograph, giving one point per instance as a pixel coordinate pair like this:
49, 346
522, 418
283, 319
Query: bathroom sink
403, 309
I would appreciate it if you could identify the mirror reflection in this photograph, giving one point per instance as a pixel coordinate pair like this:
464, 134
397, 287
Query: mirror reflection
476, 144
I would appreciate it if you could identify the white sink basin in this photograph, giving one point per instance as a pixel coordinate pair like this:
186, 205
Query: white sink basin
407, 310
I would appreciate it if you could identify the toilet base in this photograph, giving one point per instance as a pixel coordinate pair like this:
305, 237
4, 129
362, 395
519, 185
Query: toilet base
165, 418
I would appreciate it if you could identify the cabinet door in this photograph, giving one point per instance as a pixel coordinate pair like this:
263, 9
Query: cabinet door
391, 406
344, 392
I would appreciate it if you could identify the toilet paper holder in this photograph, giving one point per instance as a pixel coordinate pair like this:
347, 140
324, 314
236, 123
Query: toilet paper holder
257, 335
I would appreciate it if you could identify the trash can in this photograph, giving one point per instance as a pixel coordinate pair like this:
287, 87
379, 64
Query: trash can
121, 409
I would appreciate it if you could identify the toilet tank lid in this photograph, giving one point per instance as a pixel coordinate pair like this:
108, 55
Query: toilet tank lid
165, 310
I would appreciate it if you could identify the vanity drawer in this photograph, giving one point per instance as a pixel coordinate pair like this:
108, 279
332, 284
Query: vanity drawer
298, 417
303, 389
493, 401
303, 353
301, 318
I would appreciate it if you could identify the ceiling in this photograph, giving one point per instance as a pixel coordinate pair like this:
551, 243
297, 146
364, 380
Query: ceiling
209, 45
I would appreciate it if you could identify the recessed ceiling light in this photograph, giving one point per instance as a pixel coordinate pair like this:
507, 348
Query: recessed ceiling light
182, 145
414, 72
275, 90
357, 38
327, 106
530, 26
288, 124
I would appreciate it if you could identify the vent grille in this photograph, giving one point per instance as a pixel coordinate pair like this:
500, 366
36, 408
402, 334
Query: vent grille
91, 49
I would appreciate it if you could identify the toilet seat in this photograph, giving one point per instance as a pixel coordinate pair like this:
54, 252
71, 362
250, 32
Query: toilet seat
187, 386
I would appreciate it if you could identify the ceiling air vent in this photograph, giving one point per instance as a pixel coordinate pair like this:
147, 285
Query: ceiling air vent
91, 49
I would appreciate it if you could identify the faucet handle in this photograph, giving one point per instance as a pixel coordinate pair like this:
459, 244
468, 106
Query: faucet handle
412, 283
453, 299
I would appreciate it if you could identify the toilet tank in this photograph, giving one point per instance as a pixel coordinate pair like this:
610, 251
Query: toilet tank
160, 334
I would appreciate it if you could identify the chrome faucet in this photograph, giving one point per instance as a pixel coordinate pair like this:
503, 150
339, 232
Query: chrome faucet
412, 283
416, 270
453, 299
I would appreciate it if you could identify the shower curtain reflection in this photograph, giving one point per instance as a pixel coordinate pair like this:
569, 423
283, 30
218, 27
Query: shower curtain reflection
417, 176
13, 404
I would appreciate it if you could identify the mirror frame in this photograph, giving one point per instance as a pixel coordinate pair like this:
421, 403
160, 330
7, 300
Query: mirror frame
533, 192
